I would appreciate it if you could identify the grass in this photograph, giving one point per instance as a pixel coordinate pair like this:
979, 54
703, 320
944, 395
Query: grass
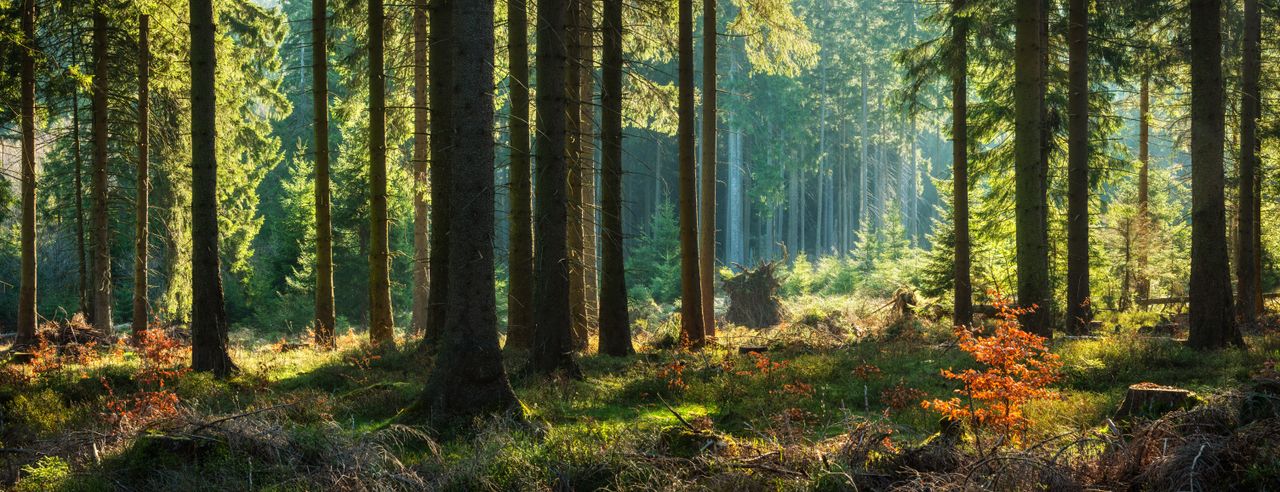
613, 429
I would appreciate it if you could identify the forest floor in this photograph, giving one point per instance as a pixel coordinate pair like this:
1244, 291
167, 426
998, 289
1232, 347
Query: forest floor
832, 403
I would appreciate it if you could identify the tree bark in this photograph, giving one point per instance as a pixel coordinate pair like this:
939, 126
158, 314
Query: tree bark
1030, 169
208, 310
520, 298
576, 160
1246, 261
1212, 325
421, 180
1079, 313
140, 314
553, 338
325, 317
81, 255
1143, 284
587, 154
963, 308
27, 290
101, 275
615, 325
442, 135
707, 237
691, 315
468, 379
863, 201
381, 323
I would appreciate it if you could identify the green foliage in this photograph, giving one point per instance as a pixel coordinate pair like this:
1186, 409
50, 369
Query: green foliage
42, 412
653, 267
48, 473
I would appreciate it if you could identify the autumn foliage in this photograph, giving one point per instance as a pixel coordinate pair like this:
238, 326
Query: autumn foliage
1015, 368
162, 365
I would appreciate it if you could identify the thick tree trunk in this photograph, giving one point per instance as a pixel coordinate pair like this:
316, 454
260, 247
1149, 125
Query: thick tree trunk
520, 255
442, 138
1212, 324
615, 325
1079, 313
553, 338
587, 154
691, 315
577, 161
101, 275
421, 180
1246, 260
963, 308
1144, 184
141, 234
27, 289
707, 235
325, 317
208, 310
381, 323
1030, 170
468, 379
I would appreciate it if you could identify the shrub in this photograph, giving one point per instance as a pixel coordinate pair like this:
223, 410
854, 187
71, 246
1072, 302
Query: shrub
49, 473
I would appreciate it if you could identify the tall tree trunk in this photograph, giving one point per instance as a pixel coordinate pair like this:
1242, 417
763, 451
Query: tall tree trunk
691, 314
1079, 313
963, 308
863, 202
520, 298
1143, 284
141, 234
1246, 266
421, 179
576, 133
27, 290
325, 317
615, 327
1212, 324
552, 326
442, 138
587, 154
468, 379
381, 323
208, 310
1030, 170
102, 321
793, 208
707, 236
81, 256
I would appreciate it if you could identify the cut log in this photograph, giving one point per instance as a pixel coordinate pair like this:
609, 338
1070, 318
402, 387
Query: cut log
753, 297
746, 349
1152, 400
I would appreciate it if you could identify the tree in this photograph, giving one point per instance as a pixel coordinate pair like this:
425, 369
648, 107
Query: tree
578, 160
468, 378
381, 323
707, 238
520, 299
325, 316
1250, 104
208, 309
691, 315
963, 313
101, 275
144, 181
1031, 169
615, 327
1212, 324
27, 292
1078, 309
1144, 179
421, 181
441, 68
553, 338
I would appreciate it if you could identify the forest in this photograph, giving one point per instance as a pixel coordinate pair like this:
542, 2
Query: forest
723, 245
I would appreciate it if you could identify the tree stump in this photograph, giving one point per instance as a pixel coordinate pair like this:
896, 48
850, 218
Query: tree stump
1150, 399
753, 297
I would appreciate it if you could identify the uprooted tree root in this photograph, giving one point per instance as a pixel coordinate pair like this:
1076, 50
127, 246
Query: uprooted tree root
753, 296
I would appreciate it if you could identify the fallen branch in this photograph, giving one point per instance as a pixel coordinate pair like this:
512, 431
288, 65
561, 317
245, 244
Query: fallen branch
673, 411
214, 422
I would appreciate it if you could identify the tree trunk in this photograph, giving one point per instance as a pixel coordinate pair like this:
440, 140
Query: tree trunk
1246, 266
442, 137
101, 279
468, 379
1079, 313
81, 255
381, 323
1030, 170
615, 327
1143, 284
325, 318
27, 291
1212, 325
793, 208
691, 315
707, 235
587, 155
863, 196
963, 308
421, 179
553, 338
208, 310
575, 129
141, 234
520, 298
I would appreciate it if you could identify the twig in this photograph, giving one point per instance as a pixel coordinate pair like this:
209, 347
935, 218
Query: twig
677, 414
212, 423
